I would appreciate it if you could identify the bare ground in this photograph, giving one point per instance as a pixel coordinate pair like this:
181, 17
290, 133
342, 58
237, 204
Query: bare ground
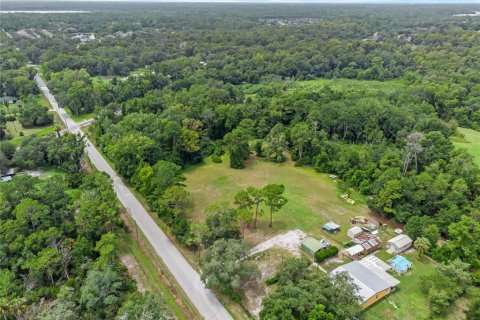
133, 270
256, 290
289, 241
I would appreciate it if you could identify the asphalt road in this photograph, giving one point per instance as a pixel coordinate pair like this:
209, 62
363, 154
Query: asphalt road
203, 299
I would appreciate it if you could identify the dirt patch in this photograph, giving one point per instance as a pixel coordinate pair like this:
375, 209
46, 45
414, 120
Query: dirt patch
256, 290
133, 270
289, 241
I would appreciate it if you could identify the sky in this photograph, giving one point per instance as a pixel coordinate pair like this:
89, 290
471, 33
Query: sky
303, 1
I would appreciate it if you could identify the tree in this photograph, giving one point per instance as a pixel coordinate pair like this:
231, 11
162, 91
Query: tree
33, 114
416, 225
222, 222
224, 267
101, 294
298, 299
463, 239
473, 311
257, 197
319, 313
413, 149
274, 198
4, 163
174, 202
432, 233
422, 245
301, 136
67, 152
144, 307
275, 144
245, 204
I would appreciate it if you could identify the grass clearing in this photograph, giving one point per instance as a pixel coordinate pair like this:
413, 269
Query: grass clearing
313, 197
80, 117
469, 140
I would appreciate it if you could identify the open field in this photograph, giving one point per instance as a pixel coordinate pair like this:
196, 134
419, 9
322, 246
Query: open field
469, 141
313, 197
80, 117
368, 86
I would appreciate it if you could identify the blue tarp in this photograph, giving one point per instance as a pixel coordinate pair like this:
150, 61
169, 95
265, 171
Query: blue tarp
400, 264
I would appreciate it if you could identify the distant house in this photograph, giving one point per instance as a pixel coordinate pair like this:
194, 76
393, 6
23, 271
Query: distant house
354, 232
8, 99
373, 283
9, 173
311, 245
331, 227
399, 244
400, 264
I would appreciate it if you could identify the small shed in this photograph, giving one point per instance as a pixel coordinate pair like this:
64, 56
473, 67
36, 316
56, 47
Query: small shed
400, 264
355, 251
311, 245
399, 244
354, 231
331, 227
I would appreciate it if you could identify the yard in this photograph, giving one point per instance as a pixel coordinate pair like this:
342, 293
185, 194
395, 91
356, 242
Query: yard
313, 198
469, 141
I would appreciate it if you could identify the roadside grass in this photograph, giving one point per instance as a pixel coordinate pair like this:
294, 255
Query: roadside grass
149, 274
80, 117
313, 198
469, 141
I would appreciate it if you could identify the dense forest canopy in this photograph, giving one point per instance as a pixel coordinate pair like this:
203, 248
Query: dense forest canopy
371, 93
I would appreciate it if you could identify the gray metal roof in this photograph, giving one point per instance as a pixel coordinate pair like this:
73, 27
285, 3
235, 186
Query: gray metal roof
368, 281
400, 241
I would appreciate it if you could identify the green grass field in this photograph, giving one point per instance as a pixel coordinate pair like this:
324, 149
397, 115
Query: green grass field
469, 141
80, 117
313, 198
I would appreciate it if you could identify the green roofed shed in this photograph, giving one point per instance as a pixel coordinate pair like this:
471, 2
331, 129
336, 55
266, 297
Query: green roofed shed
311, 245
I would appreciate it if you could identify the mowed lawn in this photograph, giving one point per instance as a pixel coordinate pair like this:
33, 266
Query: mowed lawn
408, 302
471, 142
313, 198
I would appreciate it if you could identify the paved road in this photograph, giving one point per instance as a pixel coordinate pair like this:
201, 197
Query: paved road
203, 299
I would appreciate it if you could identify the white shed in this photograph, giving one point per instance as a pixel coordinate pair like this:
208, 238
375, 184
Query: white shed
399, 244
353, 232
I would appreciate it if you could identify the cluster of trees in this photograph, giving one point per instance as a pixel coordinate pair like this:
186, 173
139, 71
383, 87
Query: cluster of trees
33, 113
18, 81
58, 252
429, 47
64, 152
73, 89
305, 293
445, 286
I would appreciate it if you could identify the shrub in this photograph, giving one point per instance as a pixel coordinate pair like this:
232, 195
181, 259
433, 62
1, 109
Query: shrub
216, 159
271, 280
348, 244
324, 254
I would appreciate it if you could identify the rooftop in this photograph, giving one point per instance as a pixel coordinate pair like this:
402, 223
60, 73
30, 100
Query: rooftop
369, 282
313, 244
401, 240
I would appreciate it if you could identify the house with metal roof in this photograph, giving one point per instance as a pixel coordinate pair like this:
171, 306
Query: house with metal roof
311, 245
372, 283
399, 244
